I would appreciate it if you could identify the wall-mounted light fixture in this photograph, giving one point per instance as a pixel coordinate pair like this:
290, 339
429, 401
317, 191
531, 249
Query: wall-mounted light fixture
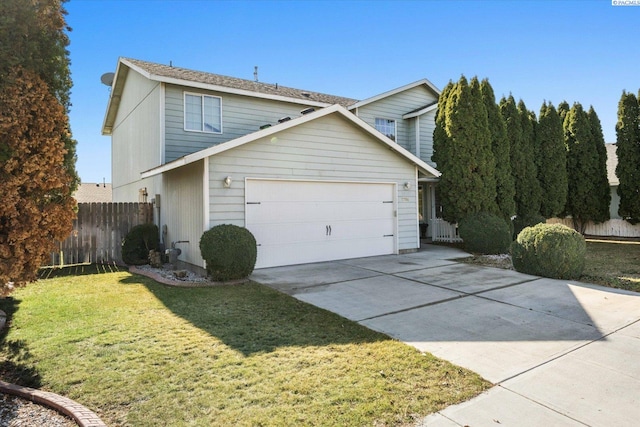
227, 182
407, 185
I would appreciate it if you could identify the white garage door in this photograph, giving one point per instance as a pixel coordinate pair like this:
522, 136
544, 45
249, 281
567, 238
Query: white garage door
296, 222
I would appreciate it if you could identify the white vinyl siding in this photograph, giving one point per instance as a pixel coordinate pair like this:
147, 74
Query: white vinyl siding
202, 113
135, 139
182, 210
242, 115
328, 149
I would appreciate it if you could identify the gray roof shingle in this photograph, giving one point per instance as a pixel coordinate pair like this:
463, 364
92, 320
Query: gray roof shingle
236, 83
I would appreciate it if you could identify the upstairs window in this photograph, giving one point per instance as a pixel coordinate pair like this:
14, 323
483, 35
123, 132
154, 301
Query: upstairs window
387, 127
202, 113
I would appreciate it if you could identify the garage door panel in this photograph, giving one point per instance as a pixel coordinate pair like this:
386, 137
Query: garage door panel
310, 221
274, 212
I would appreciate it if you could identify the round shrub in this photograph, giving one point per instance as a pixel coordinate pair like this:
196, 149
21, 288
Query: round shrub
138, 242
549, 250
522, 222
230, 252
485, 233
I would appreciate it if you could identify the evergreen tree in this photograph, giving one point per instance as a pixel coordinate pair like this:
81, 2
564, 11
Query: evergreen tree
33, 36
583, 161
628, 153
462, 152
36, 206
531, 195
551, 160
600, 178
505, 187
563, 110
37, 154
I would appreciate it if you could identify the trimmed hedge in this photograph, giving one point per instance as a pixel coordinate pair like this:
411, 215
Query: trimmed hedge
138, 242
520, 223
549, 250
485, 233
230, 252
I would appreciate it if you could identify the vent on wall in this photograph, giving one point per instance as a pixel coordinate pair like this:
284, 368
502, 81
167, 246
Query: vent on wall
284, 119
307, 110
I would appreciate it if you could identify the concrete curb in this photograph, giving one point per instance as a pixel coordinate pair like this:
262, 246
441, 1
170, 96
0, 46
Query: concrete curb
80, 414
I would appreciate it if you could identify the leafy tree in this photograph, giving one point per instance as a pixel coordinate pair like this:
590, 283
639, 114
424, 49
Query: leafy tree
505, 187
36, 207
600, 178
33, 36
583, 163
628, 153
551, 160
462, 151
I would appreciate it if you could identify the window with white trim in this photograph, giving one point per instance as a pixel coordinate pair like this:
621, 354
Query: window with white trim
202, 113
387, 127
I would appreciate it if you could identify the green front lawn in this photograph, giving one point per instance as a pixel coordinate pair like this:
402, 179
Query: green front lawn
613, 263
143, 354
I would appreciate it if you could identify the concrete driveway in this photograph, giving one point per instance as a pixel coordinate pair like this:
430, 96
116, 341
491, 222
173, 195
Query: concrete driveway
560, 353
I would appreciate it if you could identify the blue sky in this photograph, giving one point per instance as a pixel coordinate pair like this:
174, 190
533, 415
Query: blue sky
578, 51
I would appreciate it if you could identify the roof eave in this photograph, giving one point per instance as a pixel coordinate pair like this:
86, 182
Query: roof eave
216, 149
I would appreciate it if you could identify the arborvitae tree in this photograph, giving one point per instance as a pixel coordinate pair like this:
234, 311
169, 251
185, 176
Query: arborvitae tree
563, 110
462, 152
551, 160
600, 178
33, 36
530, 196
505, 187
628, 153
36, 206
37, 154
583, 162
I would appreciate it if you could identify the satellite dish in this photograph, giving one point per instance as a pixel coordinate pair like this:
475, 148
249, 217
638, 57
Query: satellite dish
107, 79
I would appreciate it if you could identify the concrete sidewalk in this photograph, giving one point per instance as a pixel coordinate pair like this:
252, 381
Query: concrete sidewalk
560, 353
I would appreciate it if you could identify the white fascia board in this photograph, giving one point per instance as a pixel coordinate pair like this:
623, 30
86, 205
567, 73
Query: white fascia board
395, 91
216, 149
391, 144
425, 110
114, 98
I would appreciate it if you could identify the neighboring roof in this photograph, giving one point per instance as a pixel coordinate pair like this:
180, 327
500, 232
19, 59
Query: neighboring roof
422, 82
335, 109
612, 162
89, 192
210, 81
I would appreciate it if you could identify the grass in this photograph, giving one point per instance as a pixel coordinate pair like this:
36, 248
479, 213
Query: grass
613, 263
143, 354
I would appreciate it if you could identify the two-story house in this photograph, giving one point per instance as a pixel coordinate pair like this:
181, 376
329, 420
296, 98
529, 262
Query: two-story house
314, 177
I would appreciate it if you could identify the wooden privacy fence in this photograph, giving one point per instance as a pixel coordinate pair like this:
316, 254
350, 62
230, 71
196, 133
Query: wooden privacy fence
98, 231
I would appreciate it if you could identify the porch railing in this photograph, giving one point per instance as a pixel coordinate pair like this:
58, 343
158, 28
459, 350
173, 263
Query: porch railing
443, 231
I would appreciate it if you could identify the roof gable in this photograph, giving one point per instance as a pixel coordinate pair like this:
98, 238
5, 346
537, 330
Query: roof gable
335, 109
209, 81
422, 82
